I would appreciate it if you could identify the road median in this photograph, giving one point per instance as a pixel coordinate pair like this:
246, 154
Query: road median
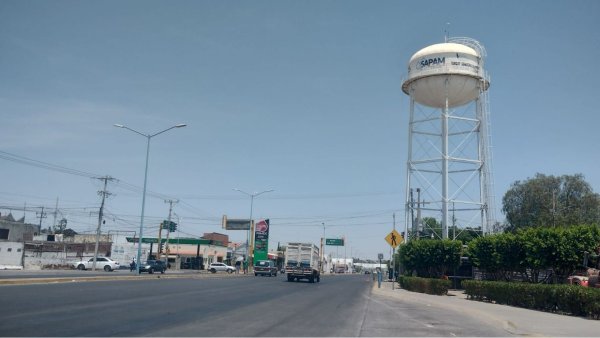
81, 279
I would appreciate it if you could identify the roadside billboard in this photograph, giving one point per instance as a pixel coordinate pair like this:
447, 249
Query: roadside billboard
261, 240
235, 224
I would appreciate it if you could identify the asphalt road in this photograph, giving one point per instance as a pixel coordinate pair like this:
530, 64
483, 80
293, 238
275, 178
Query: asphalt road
224, 306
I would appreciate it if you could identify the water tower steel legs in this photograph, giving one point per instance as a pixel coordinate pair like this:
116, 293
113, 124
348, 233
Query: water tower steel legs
445, 169
447, 161
409, 206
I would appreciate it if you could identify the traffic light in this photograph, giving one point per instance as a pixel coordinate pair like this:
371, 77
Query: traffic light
170, 225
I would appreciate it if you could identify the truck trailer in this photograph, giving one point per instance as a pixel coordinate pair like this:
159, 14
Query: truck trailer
302, 262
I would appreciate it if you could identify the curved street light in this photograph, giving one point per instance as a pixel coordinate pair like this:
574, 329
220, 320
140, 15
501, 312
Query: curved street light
148, 137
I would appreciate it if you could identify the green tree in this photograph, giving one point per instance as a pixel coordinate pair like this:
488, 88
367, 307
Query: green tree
539, 247
571, 245
430, 258
431, 228
69, 232
550, 201
465, 235
61, 226
499, 256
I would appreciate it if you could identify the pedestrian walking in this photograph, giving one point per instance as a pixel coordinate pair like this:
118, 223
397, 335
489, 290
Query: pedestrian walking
245, 267
237, 266
132, 265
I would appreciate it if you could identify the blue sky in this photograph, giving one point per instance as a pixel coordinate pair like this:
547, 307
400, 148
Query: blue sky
303, 97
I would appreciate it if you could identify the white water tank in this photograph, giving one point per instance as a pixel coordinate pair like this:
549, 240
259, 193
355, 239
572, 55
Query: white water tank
443, 71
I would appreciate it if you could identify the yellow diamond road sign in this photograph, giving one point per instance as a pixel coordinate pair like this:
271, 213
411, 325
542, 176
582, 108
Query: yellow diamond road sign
394, 238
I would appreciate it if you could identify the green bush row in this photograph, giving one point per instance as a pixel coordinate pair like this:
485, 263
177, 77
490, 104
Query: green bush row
528, 252
430, 258
430, 286
570, 299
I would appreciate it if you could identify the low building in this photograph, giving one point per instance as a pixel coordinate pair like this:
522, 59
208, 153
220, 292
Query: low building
217, 237
13, 235
22, 246
12, 230
192, 253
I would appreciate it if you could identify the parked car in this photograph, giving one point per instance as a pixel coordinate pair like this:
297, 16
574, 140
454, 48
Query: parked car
101, 263
151, 266
578, 280
216, 267
265, 268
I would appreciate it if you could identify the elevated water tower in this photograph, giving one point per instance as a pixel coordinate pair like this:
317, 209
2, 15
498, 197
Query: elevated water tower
448, 166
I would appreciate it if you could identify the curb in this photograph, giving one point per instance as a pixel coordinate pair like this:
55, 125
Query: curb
48, 280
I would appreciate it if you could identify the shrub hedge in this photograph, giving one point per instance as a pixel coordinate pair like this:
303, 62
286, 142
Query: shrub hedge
570, 299
432, 286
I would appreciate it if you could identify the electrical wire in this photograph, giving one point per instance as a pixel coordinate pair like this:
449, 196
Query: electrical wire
312, 221
44, 165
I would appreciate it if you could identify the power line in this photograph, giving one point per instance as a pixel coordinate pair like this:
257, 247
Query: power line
58, 168
294, 196
45, 165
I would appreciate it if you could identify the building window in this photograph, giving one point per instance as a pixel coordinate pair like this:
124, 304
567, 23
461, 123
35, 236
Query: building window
4, 233
19, 250
9, 249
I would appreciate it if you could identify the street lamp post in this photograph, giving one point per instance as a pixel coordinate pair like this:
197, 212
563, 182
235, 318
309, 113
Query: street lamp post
248, 241
148, 137
323, 244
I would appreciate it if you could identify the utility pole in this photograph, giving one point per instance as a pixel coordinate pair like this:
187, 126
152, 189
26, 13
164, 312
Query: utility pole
323, 250
392, 250
168, 232
553, 208
160, 249
55, 212
42, 214
345, 257
453, 224
418, 211
412, 216
102, 193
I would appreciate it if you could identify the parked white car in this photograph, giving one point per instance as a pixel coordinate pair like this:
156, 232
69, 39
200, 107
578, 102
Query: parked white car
215, 267
104, 263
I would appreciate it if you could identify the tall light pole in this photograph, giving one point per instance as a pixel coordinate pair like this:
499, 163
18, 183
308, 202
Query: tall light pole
255, 194
148, 137
323, 244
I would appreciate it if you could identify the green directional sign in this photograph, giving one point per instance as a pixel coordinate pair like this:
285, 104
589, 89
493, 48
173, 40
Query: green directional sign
334, 241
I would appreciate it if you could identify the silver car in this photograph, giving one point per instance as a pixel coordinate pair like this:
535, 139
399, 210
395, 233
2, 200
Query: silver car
215, 267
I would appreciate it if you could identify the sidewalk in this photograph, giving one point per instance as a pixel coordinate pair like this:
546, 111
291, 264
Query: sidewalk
514, 320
